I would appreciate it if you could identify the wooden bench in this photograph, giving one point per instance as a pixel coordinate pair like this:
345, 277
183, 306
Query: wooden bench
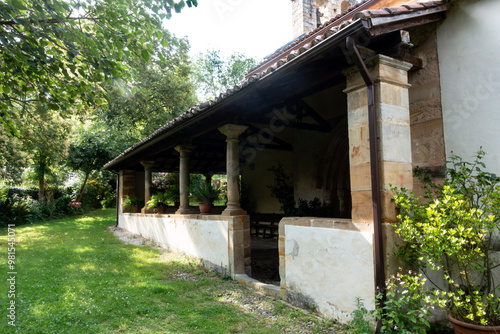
265, 225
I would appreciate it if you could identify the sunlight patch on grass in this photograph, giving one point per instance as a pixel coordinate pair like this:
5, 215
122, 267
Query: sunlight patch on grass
83, 249
76, 277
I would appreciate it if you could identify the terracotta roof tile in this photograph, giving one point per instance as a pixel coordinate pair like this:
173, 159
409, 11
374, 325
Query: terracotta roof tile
285, 55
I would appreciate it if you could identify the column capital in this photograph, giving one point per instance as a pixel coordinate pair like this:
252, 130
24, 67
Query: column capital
184, 150
126, 172
382, 69
148, 164
232, 131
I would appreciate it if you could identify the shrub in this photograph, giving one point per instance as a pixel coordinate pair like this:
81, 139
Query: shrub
360, 322
455, 233
402, 311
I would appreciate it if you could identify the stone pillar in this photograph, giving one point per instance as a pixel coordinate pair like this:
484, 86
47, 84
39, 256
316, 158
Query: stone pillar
148, 165
232, 133
394, 143
185, 153
126, 179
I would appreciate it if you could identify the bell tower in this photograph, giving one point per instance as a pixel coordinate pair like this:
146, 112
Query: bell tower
309, 14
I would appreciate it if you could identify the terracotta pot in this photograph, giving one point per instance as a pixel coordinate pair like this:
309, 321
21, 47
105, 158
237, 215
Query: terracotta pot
136, 209
205, 208
461, 327
161, 210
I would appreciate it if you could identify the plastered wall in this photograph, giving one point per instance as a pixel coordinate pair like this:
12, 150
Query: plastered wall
468, 43
318, 268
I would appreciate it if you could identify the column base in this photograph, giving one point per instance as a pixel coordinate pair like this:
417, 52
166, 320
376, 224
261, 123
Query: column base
234, 212
186, 211
146, 210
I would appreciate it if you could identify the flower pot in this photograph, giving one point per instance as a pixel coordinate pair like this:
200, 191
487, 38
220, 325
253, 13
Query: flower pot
205, 207
461, 327
136, 209
161, 210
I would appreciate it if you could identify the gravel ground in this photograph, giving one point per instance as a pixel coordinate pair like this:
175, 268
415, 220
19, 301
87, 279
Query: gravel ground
267, 309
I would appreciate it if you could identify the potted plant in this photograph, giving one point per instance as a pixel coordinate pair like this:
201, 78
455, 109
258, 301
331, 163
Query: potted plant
454, 231
159, 201
205, 194
173, 194
132, 203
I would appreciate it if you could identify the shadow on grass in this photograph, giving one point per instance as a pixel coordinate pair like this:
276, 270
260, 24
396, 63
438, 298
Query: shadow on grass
74, 276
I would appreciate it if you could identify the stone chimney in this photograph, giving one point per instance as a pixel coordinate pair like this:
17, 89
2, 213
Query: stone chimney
309, 14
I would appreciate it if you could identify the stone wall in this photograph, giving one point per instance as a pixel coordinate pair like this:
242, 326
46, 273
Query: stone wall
427, 138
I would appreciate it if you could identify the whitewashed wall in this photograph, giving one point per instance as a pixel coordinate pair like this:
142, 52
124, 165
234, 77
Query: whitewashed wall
327, 269
204, 239
468, 48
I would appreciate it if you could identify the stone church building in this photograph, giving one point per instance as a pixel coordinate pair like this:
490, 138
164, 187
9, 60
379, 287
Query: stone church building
366, 92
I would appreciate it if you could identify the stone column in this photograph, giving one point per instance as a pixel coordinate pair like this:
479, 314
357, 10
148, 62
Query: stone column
233, 133
148, 165
394, 143
185, 153
127, 186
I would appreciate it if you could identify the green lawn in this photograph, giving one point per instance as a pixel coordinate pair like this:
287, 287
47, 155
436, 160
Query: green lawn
74, 276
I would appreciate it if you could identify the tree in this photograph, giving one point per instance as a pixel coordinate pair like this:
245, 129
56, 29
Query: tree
59, 52
160, 91
43, 142
88, 152
214, 74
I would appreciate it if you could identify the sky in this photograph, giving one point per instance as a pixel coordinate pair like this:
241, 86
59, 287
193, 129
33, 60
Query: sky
255, 28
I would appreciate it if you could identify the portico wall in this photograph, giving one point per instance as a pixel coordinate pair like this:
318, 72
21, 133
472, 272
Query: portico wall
222, 243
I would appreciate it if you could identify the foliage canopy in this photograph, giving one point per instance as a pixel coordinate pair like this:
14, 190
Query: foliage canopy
60, 52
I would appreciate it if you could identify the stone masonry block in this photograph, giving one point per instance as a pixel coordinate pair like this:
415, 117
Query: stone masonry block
362, 210
394, 142
361, 177
357, 99
359, 145
396, 174
428, 144
281, 245
388, 207
393, 95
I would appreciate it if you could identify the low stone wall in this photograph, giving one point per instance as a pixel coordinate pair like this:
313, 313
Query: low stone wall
325, 264
222, 243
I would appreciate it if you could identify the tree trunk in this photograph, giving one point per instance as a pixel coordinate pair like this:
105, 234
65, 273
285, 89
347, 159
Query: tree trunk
41, 188
80, 193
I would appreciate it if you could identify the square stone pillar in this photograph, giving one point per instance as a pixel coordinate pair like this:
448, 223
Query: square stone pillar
126, 179
239, 245
394, 143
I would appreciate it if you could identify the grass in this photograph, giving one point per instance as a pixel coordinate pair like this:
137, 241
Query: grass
75, 276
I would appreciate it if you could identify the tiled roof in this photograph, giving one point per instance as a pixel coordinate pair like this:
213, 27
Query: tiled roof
286, 55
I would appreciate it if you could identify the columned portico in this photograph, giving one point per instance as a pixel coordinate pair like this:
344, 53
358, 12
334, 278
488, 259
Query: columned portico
185, 153
148, 165
233, 133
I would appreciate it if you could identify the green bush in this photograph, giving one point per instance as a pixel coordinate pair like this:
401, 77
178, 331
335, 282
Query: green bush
20, 206
360, 322
402, 310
